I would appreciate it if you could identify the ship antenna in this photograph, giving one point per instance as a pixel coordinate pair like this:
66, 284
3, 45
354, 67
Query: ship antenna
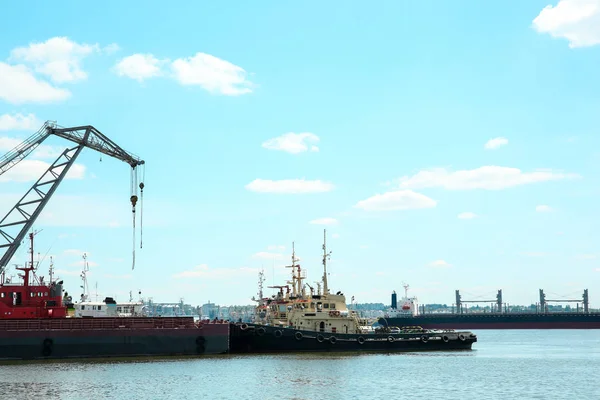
261, 279
51, 269
84, 296
326, 255
405, 285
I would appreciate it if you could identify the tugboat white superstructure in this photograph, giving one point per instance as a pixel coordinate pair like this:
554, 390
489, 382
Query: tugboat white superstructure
321, 321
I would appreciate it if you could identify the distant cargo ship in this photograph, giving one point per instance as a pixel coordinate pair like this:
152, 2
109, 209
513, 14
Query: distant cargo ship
408, 315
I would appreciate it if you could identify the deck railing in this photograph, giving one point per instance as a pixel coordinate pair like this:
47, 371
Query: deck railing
99, 323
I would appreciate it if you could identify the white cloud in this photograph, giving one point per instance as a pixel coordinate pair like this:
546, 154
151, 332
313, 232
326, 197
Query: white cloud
18, 85
293, 143
289, 186
203, 271
58, 57
439, 264
211, 73
111, 48
467, 215
578, 21
18, 122
140, 67
543, 208
487, 177
324, 221
265, 255
495, 143
31, 170
396, 200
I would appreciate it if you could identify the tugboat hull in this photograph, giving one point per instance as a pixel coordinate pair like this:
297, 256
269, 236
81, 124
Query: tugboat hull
110, 337
251, 338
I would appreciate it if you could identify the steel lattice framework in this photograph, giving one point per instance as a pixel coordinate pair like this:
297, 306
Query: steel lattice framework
22, 216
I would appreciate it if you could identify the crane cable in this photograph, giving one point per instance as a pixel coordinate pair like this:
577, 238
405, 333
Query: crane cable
142, 204
133, 199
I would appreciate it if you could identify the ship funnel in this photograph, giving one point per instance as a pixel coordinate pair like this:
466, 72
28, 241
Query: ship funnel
394, 300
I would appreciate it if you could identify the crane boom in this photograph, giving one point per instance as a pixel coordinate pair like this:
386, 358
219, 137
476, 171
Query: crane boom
21, 217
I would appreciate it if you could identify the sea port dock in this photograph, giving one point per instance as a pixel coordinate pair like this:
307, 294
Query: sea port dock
500, 316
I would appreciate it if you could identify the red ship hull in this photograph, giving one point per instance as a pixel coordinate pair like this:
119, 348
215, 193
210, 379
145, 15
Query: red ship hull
110, 337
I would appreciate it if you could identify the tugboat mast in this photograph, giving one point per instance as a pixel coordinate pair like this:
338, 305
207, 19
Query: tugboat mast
326, 255
295, 278
261, 279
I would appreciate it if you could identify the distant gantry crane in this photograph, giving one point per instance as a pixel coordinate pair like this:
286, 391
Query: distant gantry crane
14, 226
543, 304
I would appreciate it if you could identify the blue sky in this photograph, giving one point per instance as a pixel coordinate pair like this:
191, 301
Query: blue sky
449, 145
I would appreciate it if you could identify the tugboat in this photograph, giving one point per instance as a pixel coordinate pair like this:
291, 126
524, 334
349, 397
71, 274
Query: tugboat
34, 325
297, 321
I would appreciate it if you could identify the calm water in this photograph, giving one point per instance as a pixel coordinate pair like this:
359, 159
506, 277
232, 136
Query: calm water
503, 365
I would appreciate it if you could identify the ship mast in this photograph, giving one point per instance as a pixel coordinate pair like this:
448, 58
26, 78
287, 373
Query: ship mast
294, 282
51, 270
261, 280
326, 256
405, 290
84, 296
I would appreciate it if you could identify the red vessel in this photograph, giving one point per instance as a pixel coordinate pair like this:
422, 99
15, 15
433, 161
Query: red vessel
25, 300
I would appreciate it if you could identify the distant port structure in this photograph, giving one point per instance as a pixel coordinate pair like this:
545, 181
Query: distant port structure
497, 304
495, 315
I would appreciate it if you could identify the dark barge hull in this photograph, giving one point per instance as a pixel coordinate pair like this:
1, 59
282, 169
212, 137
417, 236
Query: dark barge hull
271, 339
498, 321
110, 337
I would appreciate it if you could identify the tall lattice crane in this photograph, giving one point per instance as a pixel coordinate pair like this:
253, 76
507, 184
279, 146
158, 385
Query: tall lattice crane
14, 226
